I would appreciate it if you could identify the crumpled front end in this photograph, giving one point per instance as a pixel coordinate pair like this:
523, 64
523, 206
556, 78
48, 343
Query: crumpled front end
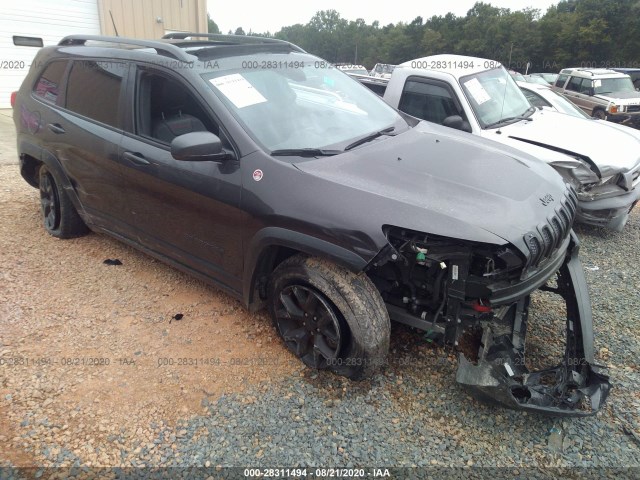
475, 297
575, 387
606, 175
608, 203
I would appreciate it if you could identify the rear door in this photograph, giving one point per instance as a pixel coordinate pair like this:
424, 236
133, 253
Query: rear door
83, 131
186, 211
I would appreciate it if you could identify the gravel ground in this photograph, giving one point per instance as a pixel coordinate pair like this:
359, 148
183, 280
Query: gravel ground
96, 371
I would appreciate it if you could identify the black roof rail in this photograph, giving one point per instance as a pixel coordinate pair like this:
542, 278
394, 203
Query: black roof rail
221, 39
166, 48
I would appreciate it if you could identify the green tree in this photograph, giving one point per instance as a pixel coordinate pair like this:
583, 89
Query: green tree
571, 33
212, 27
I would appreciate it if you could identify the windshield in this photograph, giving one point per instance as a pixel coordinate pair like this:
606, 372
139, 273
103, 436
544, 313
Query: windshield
294, 101
356, 70
518, 77
361, 71
549, 77
538, 80
610, 85
494, 96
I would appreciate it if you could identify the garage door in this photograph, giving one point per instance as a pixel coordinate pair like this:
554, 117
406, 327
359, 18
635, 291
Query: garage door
48, 20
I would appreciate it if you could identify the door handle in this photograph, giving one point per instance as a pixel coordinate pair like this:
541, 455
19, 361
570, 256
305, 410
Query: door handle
136, 158
56, 128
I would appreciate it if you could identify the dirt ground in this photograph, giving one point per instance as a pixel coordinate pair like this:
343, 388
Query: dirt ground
101, 344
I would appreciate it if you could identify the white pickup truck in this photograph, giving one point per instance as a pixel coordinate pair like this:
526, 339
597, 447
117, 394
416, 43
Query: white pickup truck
478, 96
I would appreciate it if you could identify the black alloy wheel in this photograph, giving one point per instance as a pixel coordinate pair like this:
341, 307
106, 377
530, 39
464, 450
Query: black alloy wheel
50, 202
308, 325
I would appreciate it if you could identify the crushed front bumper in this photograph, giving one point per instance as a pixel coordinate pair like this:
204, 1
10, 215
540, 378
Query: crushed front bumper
612, 212
576, 387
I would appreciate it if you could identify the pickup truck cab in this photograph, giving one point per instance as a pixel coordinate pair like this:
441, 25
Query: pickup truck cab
480, 97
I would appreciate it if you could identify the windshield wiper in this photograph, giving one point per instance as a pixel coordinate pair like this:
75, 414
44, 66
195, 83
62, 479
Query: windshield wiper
370, 137
525, 116
305, 152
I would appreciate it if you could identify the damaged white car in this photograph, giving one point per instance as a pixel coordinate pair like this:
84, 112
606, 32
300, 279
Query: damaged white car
479, 96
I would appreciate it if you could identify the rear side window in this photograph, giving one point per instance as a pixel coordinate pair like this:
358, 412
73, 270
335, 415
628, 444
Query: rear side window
93, 90
47, 86
561, 79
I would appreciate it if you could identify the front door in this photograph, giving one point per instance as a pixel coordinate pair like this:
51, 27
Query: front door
187, 211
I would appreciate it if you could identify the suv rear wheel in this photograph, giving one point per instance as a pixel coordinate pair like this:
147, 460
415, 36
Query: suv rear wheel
60, 217
329, 317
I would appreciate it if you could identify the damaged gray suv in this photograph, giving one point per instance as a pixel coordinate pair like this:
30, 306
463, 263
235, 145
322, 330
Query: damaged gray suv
267, 172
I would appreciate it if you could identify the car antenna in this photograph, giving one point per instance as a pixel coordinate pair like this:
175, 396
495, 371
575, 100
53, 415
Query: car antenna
504, 97
114, 23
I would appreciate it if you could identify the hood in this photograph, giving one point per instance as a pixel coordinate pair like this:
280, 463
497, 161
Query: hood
437, 180
629, 131
633, 98
612, 150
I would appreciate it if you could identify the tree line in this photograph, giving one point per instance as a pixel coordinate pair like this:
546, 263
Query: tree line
590, 33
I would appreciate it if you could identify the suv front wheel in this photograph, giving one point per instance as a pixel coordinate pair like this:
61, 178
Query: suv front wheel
329, 317
60, 217
599, 114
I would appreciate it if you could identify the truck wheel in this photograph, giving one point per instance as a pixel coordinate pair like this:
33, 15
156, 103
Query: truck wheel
329, 317
599, 114
60, 217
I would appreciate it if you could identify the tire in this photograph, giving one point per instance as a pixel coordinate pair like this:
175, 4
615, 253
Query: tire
329, 317
59, 216
599, 114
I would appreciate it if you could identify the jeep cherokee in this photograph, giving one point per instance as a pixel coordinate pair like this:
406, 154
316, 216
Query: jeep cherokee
267, 172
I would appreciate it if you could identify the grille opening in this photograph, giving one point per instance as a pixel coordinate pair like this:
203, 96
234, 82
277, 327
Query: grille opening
546, 330
544, 242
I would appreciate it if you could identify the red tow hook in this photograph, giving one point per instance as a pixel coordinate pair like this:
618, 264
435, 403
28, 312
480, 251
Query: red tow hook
479, 307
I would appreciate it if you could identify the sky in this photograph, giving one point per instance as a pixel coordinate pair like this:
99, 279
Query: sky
271, 15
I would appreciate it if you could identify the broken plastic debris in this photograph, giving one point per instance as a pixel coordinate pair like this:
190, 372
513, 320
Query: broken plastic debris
115, 261
508, 368
555, 440
176, 317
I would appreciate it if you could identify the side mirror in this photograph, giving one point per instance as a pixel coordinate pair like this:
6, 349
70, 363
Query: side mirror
456, 121
198, 147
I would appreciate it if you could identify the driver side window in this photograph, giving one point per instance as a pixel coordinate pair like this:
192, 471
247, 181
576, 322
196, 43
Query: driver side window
574, 84
585, 87
428, 101
166, 109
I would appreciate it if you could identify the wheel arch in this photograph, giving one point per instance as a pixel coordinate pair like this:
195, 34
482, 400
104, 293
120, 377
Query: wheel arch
30, 160
273, 245
30, 164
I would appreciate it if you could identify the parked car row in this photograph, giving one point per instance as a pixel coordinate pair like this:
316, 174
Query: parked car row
295, 188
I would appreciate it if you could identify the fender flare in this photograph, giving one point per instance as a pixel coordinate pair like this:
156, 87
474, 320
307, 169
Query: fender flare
51, 161
281, 237
32, 150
